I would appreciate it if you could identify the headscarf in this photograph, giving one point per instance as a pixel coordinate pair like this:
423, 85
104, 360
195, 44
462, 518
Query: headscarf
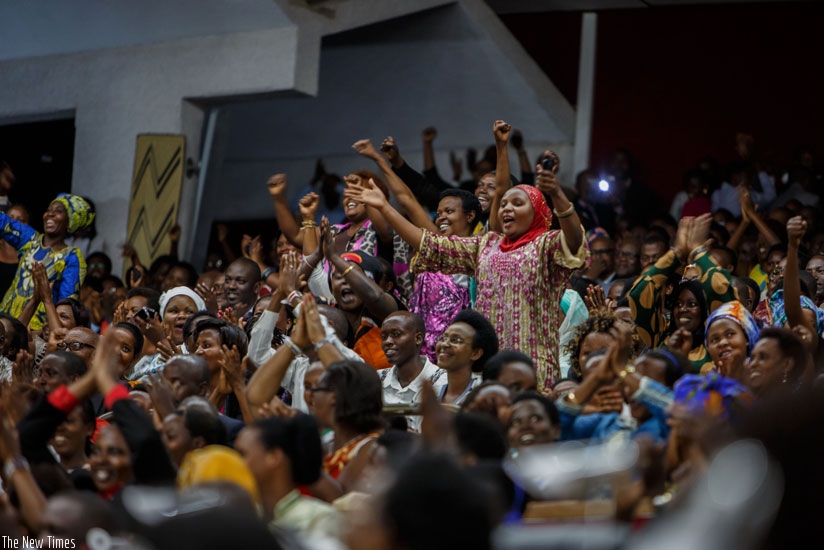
736, 312
79, 212
167, 296
217, 463
712, 394
779, 316
541, 220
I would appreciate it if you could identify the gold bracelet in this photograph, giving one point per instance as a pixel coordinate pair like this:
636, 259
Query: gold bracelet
566, 213
347, 270
629, 369
571, 398
308, 223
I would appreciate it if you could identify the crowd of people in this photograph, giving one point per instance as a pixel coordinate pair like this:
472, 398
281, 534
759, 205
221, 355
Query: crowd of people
399, 368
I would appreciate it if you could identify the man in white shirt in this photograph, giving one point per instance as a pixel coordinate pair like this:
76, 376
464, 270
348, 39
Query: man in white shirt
402, 335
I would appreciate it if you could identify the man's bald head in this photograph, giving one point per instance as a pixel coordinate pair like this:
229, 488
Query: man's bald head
336, 319
187, 375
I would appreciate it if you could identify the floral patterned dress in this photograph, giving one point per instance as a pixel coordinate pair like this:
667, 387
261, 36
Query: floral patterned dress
437, 298
518, 291
66, 269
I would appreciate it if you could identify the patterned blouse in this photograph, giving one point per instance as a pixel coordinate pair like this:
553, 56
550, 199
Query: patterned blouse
645, 300
437, 298
66, 268
518, 291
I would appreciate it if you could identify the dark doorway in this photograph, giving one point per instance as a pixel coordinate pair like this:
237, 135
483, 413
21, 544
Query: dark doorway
41, 155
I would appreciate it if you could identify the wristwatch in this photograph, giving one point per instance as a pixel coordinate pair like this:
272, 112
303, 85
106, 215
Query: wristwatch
13, 464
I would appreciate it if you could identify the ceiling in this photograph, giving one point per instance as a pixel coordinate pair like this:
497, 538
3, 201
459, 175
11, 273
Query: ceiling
523, 6
48, 27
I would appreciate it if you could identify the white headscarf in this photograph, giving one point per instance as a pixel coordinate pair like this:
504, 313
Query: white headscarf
167, 296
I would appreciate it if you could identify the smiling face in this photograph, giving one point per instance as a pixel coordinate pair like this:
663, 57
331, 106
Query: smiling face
126, 349
55, 220
451, 218
177, 311
454, 349
592, 342
687, 312
767, 366
110, 460
209, 347
816, 268
399, 339
70, 437
485, 191
627, 260
239, 285
515, 214
727, 345
530, 425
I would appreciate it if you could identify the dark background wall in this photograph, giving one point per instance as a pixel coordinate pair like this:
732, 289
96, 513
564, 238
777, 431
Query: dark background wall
676, 84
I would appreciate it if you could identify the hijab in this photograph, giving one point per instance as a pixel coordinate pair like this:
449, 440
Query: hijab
541, 220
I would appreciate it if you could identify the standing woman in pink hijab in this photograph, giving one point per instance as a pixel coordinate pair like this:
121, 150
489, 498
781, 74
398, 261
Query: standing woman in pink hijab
521, 265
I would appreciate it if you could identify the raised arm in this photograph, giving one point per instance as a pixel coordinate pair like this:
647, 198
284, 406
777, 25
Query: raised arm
369, 194
501, 132
427, 192
796, 227
406, 198
547, 183
379, 224
377, 302
286, 220
763, 228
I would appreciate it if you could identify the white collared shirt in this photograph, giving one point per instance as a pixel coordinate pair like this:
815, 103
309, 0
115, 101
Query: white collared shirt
395, 394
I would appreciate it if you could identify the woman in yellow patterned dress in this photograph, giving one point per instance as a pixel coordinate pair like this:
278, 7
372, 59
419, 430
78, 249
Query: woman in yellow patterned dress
64, 264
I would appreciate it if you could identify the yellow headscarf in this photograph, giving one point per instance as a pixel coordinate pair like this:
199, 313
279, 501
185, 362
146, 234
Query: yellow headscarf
79, 211
217, 463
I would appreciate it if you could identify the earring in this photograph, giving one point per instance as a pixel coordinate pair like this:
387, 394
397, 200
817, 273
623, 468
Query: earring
784, 380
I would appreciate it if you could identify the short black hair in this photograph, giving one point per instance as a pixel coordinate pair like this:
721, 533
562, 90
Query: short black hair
791, 347
428, 489
496, 363
138, 337
82, 317
675, 364
485, 337
190, 271
549, 406
728, 251
299, 438
469, 202
107, 262
254, 269
188, 326
480, 435
74, 364
230, 335
152, 296
19, 340
204, 424
358, 395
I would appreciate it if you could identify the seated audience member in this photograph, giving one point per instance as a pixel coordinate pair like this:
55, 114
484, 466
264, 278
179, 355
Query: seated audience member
402, 334
513, 369
462, 351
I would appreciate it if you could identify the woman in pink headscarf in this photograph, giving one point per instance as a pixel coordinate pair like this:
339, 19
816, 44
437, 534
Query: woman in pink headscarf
521, 266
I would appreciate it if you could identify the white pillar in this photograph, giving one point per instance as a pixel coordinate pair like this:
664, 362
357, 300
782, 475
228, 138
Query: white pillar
586, 92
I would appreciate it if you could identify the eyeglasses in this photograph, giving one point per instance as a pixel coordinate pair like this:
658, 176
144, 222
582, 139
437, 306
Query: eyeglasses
321, 388
601, 251
74, 346
451, 340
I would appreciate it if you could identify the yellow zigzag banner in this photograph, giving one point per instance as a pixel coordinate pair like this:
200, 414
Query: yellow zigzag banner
155, 197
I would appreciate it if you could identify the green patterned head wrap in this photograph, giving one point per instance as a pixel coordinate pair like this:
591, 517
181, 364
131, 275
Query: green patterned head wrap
79, 211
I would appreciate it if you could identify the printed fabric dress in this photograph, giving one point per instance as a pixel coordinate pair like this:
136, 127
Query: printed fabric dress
437, 298
65, 268
518, 291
